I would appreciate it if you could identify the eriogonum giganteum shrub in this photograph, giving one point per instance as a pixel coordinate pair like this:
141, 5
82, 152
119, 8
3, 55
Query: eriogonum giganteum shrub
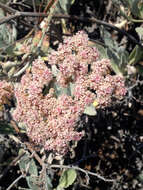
51, 118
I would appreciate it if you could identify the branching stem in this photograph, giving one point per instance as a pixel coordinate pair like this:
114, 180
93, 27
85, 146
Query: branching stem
87, 173
17, 14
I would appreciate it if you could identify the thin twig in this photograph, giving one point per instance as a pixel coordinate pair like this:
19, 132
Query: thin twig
7, 8
23, 175
34, 154
19, 4
14, 162
100, 22
82, 19
15, 181
34, 6
49, 5
83, 171
63, 16
8, 18
47, 21
36, 20
22, 14
15, 125
22, 70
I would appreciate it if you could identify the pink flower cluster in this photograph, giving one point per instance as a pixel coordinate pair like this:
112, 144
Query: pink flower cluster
101, 85
49, 121
73, 57
6, 92
80, 64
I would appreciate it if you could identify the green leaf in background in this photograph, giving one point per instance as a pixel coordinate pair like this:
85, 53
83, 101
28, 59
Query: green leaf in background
90, 110
102, 51
66, 4
139, 30
126, 3
32, 182
136, 55
63, 6
6, 128
129, 2
117, 55
67, 178
116, 61
140, 6
108, 38
8, 33
137, 8
28, 165
48, 184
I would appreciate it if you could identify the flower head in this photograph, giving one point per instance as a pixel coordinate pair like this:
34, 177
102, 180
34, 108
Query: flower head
50, 118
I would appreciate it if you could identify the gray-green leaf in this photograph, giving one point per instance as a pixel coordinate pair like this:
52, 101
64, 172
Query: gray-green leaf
136, 55
139, 30
67, 178
32, 182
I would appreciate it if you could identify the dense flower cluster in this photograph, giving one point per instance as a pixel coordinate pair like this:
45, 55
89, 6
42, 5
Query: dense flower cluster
79, 63
73, 58
100, 85
50, 119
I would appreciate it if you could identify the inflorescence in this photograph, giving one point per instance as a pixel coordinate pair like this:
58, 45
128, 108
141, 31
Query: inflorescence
51, 120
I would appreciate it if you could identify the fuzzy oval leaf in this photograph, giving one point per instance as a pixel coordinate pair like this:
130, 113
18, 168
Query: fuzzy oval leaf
28, 164
32, 182
33, 168
24, 162
102, 50
136, 55
115, 61
67, 178
139, 30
